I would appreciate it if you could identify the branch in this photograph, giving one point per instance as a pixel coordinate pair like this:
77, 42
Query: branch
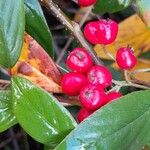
72, 27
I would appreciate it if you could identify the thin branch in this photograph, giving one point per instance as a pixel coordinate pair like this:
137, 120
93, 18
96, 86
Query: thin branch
89, 9
134, 84
7, 141
72, 26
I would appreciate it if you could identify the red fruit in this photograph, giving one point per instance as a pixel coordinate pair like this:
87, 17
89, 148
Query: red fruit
79, 60
125, 58
83, 114
90, 32
100, 75
85, 3
72, 83
113, 96
92, 98
107, 31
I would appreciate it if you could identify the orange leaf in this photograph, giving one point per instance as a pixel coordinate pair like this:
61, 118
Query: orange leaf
37, 66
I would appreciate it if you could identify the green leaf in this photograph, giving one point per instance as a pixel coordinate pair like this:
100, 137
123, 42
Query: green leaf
11, 31
111, 6
36, 25
39, 113
145, 55
144, 9
123, 124
7, 119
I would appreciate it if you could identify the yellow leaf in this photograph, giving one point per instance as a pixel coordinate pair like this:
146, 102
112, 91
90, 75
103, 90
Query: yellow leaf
133, 32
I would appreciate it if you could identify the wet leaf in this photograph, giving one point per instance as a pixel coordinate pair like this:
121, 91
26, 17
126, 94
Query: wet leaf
36, 25
39, 113
111, 6
7, 118
122, 124
11, 31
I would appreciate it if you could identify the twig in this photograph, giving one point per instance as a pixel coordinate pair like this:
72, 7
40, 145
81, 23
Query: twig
71, 38
133, 84
4, 143
14, 141
63, 69
72, 26
134, 80
61, 55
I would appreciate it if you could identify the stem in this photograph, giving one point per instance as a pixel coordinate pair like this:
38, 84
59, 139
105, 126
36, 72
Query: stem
73, 27
63, 69
134, 84
71, 38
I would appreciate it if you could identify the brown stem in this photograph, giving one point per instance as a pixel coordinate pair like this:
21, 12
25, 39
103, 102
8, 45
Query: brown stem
71, 38
72, 26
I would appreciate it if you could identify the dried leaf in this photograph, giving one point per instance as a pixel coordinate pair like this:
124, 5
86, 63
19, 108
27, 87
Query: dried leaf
37, 66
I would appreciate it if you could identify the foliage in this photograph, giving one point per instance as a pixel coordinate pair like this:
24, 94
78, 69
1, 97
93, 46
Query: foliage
123, 123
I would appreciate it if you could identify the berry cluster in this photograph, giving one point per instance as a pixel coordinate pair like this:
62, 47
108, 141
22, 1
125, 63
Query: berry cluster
89, 81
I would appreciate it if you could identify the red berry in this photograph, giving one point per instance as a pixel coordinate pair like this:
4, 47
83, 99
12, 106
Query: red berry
125, 58
79, 60
113, 96
107, 31
85, 3
92, 98
72, 83
100, 75
90, 32
83, 114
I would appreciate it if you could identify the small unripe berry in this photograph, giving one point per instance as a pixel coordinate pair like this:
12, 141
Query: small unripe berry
113, 96
90, 32
107, 31
72, 83
92, 97
99, 75
83, 114
85, 3
125, 58
79, 60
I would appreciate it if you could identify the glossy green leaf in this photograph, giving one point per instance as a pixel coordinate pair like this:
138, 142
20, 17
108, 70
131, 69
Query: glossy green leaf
123, 124
11, 31
144, 9
39, 113
7, 119
36, 25
111, 6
